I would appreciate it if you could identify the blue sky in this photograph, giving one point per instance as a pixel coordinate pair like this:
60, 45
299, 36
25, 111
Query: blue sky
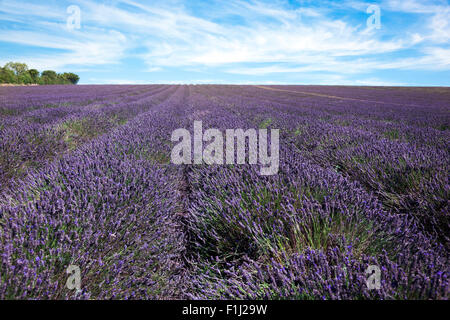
232, 41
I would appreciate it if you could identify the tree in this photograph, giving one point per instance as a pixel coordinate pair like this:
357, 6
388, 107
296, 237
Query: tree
49, 77
34, 74
7, 76
49, 74
25, 78
17, 67
71, 77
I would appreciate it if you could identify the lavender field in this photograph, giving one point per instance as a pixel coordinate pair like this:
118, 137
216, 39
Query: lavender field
86, 179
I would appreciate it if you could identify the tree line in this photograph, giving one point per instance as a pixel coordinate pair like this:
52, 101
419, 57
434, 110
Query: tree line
18, 73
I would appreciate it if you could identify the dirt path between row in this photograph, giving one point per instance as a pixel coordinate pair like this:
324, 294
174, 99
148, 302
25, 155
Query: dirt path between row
335, 97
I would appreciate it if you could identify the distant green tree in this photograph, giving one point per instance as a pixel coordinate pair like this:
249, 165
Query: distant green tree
49, 77
17, 67
7, 76
49, 74
62, 79
71, 77
25, 78
34, 74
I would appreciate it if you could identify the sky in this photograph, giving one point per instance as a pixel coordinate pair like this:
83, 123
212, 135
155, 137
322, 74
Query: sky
349, 42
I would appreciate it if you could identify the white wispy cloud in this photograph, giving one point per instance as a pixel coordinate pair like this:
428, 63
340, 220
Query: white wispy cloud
437, 16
